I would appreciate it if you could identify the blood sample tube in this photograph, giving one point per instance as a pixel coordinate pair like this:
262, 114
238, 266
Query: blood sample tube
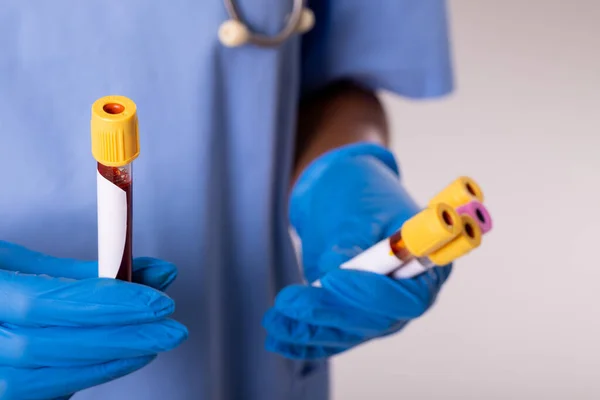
425, 241
468, 240
424, 233
466, 196
115, 144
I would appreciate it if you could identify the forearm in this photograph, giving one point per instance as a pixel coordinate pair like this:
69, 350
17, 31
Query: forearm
341, 114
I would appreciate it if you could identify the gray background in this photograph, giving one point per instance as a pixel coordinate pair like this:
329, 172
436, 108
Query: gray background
519, 318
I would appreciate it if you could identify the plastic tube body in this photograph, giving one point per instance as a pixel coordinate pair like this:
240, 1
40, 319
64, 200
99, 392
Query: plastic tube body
115, 217
412, 268
380, 258
384, 257
424, 233
115, 144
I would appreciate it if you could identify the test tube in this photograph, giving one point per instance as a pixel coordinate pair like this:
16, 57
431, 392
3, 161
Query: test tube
115, 144
450, 227
479, 213
459, 192
466, 195
468, 240
424, 233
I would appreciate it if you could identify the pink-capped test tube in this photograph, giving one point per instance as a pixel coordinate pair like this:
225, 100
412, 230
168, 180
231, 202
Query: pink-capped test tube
479, 213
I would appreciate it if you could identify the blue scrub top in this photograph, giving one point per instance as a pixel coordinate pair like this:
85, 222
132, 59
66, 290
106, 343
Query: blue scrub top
217, 136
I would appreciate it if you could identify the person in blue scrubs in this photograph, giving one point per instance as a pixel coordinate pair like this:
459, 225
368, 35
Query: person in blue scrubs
238, 146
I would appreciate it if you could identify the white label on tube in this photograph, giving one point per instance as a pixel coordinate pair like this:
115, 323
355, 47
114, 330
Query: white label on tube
410, 269
378, 259
112, 226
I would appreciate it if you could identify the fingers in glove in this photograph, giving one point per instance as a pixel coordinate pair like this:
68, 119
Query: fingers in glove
153, 272
68, 347
49, 383
149, 271
378, 294
14, 257
293, 331
34, 300
442, 274
301, 352
318, 306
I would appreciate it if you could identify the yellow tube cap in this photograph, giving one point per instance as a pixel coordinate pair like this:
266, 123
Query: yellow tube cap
460, 192
468, 240
114, 127
430, 229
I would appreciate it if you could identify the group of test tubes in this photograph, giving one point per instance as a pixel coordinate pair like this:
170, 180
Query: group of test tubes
451, 226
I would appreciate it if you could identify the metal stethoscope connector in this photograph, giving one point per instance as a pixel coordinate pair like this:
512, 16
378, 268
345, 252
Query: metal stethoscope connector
234, 33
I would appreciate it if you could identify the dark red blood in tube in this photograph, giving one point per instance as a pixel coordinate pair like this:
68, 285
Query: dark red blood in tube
398, 247
122, 179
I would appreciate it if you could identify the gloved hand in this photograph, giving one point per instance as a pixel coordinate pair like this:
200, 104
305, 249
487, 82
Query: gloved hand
62, 330
346, 201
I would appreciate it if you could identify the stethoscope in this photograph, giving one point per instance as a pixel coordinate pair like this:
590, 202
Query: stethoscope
234, 33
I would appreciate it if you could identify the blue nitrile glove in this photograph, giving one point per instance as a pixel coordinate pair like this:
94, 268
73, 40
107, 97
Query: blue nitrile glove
65, 333
346, 201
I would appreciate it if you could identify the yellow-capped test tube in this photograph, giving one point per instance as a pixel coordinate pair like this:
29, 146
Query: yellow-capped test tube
458, 193
115, 145
436, 236
425, 232
430, 229
468, 240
